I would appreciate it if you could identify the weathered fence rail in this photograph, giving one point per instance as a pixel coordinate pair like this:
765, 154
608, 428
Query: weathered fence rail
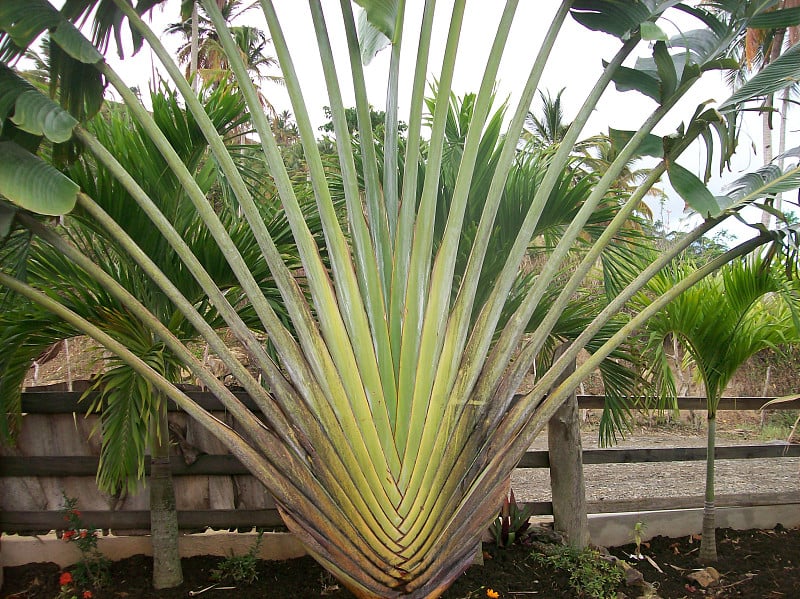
214, 490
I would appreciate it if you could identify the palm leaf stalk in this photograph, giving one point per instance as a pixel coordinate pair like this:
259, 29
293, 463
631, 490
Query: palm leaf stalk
221, 303
376, 390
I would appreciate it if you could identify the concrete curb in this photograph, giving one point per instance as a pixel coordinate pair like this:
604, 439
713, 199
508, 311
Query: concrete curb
19, 550
608, 530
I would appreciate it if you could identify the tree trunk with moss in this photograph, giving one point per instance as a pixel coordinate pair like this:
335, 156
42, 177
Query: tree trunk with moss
167, 571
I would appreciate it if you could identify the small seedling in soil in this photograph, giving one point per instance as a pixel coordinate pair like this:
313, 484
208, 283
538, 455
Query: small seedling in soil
240, 568
512, 522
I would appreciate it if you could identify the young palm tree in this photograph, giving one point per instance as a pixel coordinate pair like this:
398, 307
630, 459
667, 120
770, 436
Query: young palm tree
747, 306
389, 422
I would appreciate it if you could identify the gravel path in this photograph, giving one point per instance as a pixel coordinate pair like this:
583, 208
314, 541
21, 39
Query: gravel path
668, 479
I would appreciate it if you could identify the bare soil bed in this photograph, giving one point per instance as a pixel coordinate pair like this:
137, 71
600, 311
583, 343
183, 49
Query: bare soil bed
753, 564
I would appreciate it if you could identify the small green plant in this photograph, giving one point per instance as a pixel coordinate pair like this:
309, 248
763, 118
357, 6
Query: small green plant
638, 529
512, 522
240, 568
92, 570
589, 574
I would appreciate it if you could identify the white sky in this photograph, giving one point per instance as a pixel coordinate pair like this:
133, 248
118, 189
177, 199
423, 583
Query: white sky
575, 65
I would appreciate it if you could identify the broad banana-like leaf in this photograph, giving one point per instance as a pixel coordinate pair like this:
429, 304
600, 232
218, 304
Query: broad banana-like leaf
652, 32
617, 17
651, 146
627, 79
371, 39
30, 110
24, 21
7, 214
74, 44
32, 184
39, 115
382, 14
694, 192
767, 181
81, 88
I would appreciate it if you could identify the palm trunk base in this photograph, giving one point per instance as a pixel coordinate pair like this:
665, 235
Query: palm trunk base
708, 544
167, 571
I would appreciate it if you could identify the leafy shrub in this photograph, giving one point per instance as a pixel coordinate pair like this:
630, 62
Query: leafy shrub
589, 574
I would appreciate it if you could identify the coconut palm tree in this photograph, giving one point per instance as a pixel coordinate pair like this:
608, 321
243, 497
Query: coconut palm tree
389, 422
204, 57
747, 306
550, 129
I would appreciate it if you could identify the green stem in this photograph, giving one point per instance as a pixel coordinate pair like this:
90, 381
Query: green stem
708, 543
421, 246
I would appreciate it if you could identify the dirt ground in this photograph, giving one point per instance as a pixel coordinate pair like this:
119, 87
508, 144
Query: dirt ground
753, 564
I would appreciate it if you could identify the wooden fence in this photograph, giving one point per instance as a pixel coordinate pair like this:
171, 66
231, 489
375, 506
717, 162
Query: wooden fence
57, 456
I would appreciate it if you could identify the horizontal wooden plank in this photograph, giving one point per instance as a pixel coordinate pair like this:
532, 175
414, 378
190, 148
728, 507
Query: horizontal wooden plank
227, 465
65, 402
539, 459
688, 454
19, 521
693, 502
205, 465
595, 402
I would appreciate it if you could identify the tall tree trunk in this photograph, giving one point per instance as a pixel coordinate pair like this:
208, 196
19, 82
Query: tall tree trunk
194, 48
566, 469
708, 544
766, 116
167, 571
785, 100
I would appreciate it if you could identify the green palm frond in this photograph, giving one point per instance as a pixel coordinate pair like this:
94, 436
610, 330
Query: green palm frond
723, 320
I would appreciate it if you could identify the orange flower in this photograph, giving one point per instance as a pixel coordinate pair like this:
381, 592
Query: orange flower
87, 595
65, 579
492, 594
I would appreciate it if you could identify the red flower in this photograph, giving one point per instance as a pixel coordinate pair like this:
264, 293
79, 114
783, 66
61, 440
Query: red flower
65, 579
76, 513
83, 534
68, 534
87, 594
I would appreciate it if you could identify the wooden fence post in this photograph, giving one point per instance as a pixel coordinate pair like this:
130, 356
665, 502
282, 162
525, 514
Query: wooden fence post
566, 468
